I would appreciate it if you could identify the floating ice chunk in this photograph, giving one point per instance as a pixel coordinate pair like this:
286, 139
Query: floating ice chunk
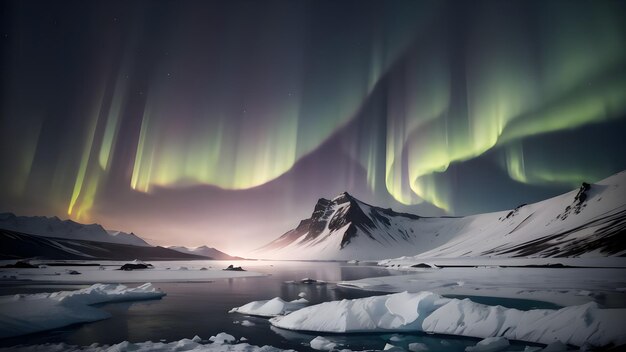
490, 344
302, 294
222, 338
418, 347
322, 344
28, 313
432, 313
270, 308
182, 345
247, 323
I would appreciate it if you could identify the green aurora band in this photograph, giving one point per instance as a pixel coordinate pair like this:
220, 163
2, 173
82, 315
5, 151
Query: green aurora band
243, 127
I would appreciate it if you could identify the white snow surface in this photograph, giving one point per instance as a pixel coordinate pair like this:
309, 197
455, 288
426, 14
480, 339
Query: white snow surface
561, 286
68, 229
196, 344
270, 308
28, 313
507, 233
432, 313
163, 271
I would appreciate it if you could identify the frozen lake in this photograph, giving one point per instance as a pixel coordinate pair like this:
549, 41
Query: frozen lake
201, 308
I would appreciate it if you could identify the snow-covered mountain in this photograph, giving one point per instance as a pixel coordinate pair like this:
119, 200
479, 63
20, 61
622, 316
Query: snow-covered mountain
55, 227
589, 221
204, 251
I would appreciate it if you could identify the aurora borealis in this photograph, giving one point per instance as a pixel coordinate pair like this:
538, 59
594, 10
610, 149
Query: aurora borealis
193, 122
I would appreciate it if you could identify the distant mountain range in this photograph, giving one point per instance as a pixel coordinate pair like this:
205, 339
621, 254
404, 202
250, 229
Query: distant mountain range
53, 238
55, 227
205, 251
16, 245
589, 221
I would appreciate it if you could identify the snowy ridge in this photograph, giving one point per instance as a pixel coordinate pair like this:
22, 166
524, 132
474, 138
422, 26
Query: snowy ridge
431, 313
342, 228
584, 222
55, 227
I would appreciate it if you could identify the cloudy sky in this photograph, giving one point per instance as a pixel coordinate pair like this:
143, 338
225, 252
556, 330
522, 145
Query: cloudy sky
222, 122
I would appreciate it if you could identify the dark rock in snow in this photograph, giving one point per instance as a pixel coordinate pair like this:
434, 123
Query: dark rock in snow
582, 193
310, 281
131, 266
234, 268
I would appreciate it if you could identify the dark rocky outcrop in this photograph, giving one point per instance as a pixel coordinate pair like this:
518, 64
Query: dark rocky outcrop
20, 265
135, 266
234, 268
582, 193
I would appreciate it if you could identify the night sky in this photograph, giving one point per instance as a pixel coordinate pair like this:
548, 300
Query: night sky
223, 122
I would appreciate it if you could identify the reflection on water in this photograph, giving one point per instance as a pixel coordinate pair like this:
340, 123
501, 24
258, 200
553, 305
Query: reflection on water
191, 309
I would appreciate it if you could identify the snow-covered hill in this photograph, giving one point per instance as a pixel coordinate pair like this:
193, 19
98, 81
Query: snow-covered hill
55, 227
204, 251
589, 221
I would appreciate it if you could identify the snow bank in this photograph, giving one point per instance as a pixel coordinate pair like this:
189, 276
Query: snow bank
270, 308
431, 313
194, 344
27, 313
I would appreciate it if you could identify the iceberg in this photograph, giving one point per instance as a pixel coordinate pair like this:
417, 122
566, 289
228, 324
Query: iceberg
432, 313
270, 308
28, 313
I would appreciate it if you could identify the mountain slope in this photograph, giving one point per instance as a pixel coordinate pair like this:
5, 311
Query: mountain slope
590, 221
204, 251
16, 245
55, 227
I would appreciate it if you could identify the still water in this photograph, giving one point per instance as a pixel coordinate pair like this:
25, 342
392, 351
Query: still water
201, 309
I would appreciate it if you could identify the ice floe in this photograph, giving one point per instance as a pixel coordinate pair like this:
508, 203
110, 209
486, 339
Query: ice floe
563, 286
221, 343
490, 344
432, 313
28, 313
270, 308
321, 343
